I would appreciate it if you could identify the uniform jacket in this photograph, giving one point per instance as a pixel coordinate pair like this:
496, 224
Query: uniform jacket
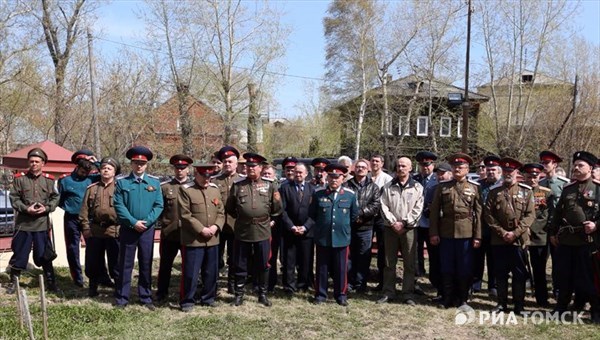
27, 189
225, 182
484, 189
538, 234
369, 204
510, 209
170, 217
253, 204
295, 210
579, 202
455, 211
426, 182
138, 201
333, 216
402, 203
71, 189
98, 212
555, 184
200, 208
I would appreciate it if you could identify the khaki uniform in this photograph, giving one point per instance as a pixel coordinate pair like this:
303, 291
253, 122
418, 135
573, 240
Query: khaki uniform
98, 213
200, 208
28, 189
541, 198
224, 183
510, 209
456, 210
169, 219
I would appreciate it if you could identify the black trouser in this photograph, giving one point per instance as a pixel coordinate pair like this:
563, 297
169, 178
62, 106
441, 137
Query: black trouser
510, 259
539, 258
226, 241
422, 240
575, 273
483, 257
360, 258
298, 253
378, 229
260, 252
275, 246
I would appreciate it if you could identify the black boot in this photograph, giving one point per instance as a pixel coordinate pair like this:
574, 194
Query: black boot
464, 287
518, 296
262, 289
447, 290
15, 275
50, 278
93, 289
502, 287
238, 299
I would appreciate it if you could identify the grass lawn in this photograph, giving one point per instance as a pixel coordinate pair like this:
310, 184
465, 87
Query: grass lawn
73, 315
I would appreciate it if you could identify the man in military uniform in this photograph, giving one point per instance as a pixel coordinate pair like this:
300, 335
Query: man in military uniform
253, 201
574, 232
100, 228
72, 187
229, 157
427, 178
202, 218
455, 224
555, 183
319, 175
33, 198
483, 255
333, 209
538, 243
509, 212
216, 161
138, 202
401, 208
170, 238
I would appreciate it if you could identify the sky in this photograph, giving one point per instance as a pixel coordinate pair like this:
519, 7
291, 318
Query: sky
305, 55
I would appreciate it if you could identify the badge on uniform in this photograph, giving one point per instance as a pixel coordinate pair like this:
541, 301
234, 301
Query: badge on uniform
215, 201
590, 204
150, 188
276, 196
344, 210
588, 194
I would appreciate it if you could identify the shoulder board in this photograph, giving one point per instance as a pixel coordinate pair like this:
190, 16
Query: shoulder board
319, 189
473, 182
543, 188
349, 190
120, 177
446, 181
497, 185
212, 185
569, 184
152, 176
597, 182
564, 179
189, 185
19, 175
268, 179
47, 175
242, 176
239, 180
64, 175
523, 185
93, 184
215, 176
165, 182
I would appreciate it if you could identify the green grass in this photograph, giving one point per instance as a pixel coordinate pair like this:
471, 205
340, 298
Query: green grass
73, 315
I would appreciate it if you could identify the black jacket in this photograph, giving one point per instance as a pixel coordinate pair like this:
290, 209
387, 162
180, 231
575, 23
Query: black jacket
368, 197
295, 212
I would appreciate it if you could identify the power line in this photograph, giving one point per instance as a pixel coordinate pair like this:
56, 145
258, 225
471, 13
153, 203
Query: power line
236, 67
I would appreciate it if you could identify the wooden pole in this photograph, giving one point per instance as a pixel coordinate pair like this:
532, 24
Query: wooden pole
466, 104
26, 314
44, 306
19, 305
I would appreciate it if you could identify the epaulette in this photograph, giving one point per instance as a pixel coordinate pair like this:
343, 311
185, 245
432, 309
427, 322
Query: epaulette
319, 189
212, 185
563, 178
20, 174
472, 181
569, 184
152, 176
239, 180
445, 181
497, 185
597, 182
64, 175
47, 175
242, 175
91, 185
349, 190
165, 182
215, 176
268, 179
189, 185
118, 177
543, 188
523, 185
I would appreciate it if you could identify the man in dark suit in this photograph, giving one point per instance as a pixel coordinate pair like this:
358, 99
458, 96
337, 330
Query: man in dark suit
298, 247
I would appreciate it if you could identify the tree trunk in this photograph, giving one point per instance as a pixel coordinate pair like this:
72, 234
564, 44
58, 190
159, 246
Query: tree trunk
253, 118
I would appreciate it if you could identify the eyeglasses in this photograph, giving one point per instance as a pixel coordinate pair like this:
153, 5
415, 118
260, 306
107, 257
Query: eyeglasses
361, 167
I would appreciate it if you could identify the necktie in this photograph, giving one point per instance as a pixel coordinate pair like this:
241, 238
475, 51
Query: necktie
300, 192
138, 180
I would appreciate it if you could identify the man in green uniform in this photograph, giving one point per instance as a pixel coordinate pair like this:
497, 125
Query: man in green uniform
33, 197
253, 202
573, 229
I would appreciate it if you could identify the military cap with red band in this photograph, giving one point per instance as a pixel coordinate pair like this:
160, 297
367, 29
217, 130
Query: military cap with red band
139, 153
510, 164
549, 156
180, 161
289, 162
337, 169
205, 170
320, 163
81, 154
532, 168
253, 159
459, 158
228, 151
491, 160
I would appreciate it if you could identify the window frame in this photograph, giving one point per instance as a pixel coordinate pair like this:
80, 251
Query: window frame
419, 120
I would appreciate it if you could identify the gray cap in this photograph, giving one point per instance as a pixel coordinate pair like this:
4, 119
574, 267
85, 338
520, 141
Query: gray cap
445, 167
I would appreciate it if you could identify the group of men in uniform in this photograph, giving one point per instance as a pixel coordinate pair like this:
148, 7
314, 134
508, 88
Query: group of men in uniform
221, 217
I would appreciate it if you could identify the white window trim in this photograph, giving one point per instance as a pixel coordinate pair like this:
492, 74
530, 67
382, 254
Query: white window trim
459, 128
404, 123
426, 120
178, 125
446, 120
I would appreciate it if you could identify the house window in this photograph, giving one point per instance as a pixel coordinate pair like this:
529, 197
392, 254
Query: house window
178, 125
404, 126
459, 127
445, 127
422, 126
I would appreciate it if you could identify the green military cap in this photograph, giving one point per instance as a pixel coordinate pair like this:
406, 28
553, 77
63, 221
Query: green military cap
37, 152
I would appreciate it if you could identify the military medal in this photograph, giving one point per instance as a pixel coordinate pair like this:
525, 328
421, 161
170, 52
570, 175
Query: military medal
215, 201
150, 188
344, 210
590, 203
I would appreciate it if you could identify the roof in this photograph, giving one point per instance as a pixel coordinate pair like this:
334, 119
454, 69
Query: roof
405, 87
59, 158
540, 79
